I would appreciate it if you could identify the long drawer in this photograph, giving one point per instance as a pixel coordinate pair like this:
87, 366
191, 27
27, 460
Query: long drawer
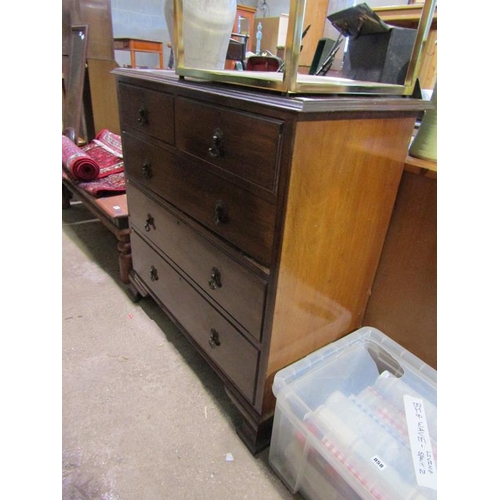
239, 291
218, 338
147, 111
243, 144
245, 220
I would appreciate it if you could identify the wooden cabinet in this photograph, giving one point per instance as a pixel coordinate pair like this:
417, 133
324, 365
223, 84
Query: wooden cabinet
403, 302
244, 24
274, 31
258, 220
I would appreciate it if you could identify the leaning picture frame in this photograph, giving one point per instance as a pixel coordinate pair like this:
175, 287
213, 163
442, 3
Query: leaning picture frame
74, 81
290, 80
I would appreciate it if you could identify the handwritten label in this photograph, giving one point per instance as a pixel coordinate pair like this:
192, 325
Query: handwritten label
420, 442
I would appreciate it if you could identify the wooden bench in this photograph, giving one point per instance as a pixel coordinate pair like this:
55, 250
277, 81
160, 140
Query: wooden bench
112, 211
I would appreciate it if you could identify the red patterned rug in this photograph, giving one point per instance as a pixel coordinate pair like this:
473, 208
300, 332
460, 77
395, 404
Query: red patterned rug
96, 167
111, 185
77, 163
96, 160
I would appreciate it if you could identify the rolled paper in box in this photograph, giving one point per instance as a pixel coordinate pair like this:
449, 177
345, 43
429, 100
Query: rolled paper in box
424, 145
78, 163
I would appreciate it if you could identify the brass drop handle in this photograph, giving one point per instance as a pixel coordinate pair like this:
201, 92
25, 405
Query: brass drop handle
221, 214
216, 150
215, 281
153, 274
143, 117
214, 338
146, 170
150, 223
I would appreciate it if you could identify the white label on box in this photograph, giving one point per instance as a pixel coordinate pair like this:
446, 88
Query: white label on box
420, 442
378, 462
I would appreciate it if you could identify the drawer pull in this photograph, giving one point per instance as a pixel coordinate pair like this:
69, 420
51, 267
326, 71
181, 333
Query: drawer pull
150, 223
214, 338
216, 151
221, 216
146, 170
215, 281
143, 115
153, 274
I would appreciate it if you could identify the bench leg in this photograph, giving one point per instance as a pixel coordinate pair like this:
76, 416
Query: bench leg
66, 197
124, 257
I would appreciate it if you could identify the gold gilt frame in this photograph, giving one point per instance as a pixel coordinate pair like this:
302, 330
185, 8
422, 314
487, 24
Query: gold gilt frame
290, 81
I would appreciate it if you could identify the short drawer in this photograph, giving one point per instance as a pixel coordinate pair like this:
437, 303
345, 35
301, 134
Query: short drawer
245, 145
148, 111
239, 291
218, 338
245, 220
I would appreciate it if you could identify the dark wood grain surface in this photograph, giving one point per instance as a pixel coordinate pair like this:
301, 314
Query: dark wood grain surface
235, 355
249, 220
148, 112
239, 291
250, 145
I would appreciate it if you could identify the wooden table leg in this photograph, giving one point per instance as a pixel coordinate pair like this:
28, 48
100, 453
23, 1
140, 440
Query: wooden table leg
124, 257
66, 197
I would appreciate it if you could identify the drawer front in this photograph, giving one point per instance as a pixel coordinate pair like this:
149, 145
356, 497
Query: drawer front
148, 111
245, 145
239, 291
234, 355
235, 214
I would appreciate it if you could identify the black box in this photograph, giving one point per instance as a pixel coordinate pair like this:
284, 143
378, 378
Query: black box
383, 57
376, 52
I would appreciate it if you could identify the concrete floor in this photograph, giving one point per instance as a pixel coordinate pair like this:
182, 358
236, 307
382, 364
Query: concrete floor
143, 416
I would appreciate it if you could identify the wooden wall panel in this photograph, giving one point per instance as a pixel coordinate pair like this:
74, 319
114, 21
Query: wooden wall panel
315, 16
403, 303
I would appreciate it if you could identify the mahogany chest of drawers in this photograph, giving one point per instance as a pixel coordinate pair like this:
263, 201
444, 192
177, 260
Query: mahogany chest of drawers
257, 219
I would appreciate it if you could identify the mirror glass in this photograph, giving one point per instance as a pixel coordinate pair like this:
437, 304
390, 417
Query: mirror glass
73, 103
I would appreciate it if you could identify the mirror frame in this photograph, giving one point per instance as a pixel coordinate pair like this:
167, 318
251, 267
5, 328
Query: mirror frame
290, 81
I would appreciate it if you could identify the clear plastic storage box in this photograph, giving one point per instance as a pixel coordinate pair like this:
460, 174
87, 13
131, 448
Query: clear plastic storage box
357, 419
